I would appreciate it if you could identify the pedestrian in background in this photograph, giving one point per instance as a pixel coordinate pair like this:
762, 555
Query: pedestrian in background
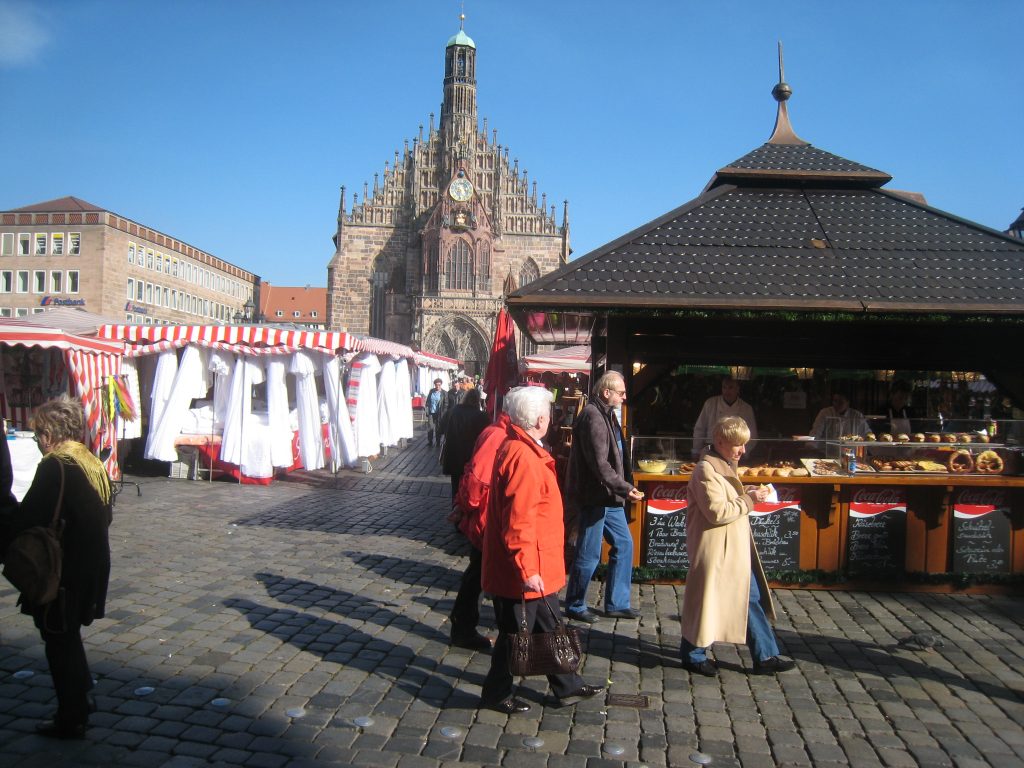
524, 536
465, 423
68, 472
726, 597
434, 405
598, 484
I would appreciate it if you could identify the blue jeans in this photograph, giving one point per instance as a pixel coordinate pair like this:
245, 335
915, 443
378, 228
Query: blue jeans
596, 523
760, 635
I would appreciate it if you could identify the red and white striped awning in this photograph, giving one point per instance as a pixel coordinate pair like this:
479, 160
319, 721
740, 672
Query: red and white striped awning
245, 335
15, 332
568, 360
440, 362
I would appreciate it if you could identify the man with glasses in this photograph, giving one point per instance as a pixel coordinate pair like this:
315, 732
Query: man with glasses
598, 485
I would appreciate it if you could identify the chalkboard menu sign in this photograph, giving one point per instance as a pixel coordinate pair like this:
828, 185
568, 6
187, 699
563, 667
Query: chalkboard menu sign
981, 531
664, 544
776, 529
876, 543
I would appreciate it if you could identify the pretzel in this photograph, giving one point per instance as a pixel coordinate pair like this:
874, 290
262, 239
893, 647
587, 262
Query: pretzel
960, 461
989, 463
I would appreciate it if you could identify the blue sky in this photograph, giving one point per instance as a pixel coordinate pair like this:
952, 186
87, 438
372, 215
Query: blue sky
231, 124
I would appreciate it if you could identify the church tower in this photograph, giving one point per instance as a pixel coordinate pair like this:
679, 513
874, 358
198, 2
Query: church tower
421, 257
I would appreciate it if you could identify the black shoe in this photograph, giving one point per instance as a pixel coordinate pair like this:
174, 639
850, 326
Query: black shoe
705, 668
586, 692
54, 730
474, 642
586, 616
625, 613
772, 665
509, 706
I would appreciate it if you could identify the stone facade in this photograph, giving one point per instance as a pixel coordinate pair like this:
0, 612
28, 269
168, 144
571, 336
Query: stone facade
422, 257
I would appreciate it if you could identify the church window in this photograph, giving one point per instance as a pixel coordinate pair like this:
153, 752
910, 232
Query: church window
459, 267
484, 267
528, 272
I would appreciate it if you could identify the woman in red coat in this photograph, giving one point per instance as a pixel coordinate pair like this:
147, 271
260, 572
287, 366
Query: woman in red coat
524, 541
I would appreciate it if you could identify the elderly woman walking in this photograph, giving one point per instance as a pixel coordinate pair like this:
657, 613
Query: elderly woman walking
726, 597
524, 539
74, 482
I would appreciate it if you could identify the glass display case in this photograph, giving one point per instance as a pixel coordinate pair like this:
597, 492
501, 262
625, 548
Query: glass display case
927, 447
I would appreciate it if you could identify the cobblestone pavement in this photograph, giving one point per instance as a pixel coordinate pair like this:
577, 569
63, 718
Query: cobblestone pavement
313, 602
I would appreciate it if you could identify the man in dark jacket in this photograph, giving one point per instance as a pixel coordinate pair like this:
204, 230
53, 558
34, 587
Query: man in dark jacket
465, 423
599, 483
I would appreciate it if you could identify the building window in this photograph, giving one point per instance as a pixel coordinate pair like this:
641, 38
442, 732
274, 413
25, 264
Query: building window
159, 262
72, 281
40, 244
8, 244
56, 281
24, 244
130, 317
57, 243
131, 253
296, 313
131, 289
313, 313
149, 259
37, 310
5, 311
149, 320
279, 313
459, 267
22, 281
167, 265
6, 281
174, 268
75, 243
156, 295
167, 298
22, 312
149, 293
139, 288
39, 281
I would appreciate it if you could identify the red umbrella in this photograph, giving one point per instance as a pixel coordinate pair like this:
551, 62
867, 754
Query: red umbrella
503, 367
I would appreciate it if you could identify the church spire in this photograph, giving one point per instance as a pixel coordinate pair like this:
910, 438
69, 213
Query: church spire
458, 110
783, 133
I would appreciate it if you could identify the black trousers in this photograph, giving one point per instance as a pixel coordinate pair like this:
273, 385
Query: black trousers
433, 428
466, 611
69, 668
498, 685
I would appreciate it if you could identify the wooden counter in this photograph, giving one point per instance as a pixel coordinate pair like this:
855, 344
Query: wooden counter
921, 508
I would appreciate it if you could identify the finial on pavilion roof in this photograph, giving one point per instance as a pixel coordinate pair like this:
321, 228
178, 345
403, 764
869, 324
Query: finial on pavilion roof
783, 133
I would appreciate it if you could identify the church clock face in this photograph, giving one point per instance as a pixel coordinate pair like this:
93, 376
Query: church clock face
460, 190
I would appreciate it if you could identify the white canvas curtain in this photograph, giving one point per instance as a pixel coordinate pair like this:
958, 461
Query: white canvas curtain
403, 402
362, 399
343, 438
311, 444
386, 412
244, 440
221, 366
163, 380
191, 381
277, 409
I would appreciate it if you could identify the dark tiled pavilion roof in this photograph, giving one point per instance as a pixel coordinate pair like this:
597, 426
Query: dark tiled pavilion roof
789, 226
59, 205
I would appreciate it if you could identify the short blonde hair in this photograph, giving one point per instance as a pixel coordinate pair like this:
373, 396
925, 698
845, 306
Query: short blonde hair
59, 419
732, 429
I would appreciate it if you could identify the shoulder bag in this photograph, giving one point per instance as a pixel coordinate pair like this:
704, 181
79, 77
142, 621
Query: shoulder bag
33, 559
544, 653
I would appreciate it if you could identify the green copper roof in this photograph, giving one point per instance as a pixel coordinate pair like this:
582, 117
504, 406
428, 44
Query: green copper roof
461, 39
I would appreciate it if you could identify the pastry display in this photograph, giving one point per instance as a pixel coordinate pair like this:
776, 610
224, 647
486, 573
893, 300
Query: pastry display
870, 437
934, 437
885, 437
949, 438
902, 437
983, 438
963, 437
917, 437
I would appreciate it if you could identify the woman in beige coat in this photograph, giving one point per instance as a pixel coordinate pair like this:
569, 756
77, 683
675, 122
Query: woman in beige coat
726, 598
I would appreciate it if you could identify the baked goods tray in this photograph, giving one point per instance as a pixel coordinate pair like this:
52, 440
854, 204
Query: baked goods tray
814, 467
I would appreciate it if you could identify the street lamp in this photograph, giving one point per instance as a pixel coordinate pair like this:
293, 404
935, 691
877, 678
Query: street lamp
237, 317
249, 308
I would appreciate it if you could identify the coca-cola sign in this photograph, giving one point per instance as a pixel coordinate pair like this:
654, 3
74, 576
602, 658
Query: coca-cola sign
666, 498
976, 502
867, 502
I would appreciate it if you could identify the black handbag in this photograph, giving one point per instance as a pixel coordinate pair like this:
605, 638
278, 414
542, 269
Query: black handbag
544, 653
34, 557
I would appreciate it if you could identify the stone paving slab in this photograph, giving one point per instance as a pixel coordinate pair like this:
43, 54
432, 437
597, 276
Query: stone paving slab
318, 600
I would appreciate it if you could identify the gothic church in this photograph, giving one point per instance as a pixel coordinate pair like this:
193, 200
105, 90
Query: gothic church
423, 258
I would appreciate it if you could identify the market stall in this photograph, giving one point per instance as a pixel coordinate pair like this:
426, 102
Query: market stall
39, 362
253, 401
798, 275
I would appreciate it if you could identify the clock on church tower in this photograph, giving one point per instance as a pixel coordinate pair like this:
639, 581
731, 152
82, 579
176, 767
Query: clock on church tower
460, 190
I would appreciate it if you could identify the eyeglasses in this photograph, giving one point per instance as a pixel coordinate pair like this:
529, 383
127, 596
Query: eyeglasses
617, 391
